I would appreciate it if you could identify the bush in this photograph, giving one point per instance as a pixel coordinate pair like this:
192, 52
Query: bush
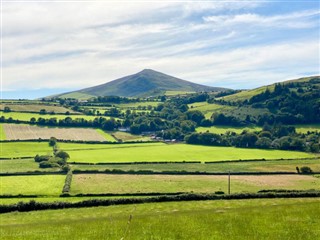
48, 164
305, 170
41, 158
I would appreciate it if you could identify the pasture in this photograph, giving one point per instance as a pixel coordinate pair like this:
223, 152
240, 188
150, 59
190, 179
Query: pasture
160, 152
264, 219
224, 129
26, 132
209, 108
46, 185
105, 183
22, 116
25, 165
36, 108
245, 166
127, 137
24, 149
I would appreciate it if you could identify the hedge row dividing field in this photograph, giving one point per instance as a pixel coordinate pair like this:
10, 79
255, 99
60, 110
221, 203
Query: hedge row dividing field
26, 132
275, 219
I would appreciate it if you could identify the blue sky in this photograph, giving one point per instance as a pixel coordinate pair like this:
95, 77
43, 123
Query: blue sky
53, 46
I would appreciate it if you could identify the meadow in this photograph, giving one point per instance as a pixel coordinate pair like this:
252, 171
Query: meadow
245, 166
275, 219
46, 185
160, 152
105, 183
27, 107
2, 133
209, 108
24, 149
24, 165
300, 128
22, 116
127, 137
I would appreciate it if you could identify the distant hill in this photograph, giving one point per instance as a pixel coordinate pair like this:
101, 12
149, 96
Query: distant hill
142, 84
246, 95
289, 102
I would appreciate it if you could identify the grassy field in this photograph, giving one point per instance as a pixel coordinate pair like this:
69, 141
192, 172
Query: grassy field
104, 183
27, 116
160, 152
36, 108
275, 219
107, 136
224, 129
26, 132
148, 152
251, 166
77, 95
304, 128
48, 185
25, 165
173, 93
209, 108
137, 104
127, 137
24, 149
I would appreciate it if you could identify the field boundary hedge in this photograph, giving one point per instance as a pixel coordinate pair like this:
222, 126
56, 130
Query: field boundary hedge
34, 206
67, 183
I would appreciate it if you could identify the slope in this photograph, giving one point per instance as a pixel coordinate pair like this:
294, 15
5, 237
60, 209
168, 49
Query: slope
145, 83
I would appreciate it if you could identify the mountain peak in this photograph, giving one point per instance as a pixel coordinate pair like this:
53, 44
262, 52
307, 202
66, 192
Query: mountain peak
146, 83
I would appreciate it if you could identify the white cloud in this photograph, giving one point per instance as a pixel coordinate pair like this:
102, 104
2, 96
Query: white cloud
77, 45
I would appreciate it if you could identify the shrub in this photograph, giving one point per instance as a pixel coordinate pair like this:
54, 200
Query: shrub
305, 170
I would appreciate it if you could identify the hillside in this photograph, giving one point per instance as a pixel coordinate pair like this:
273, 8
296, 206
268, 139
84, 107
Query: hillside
142, 84
246, 95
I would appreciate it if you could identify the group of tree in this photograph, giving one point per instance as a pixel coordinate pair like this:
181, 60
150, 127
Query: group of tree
270, 137
57, 160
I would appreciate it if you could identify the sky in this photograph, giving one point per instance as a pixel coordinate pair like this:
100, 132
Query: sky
50, 47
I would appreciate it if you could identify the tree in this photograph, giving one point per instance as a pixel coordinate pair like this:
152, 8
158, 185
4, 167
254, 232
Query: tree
63, 155
7, 109
52, 141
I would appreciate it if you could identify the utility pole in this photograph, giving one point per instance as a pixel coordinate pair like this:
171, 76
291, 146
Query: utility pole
229, 183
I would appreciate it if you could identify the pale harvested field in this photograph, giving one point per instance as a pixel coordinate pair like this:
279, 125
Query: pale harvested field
36, 108
108, 183
25, 132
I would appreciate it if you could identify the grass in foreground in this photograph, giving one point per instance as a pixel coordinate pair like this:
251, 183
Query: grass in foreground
49, 185
275, 219
103, 183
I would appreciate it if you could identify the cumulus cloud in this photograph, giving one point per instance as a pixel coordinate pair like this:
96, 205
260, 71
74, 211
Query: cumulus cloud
81, 44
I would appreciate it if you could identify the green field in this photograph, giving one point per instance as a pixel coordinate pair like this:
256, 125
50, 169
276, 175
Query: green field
250, 166
48, 185
159, 152
304, 128
172, 93
77, 95
224, 129
137, 104
27, 107
27, 116
24, 149
149, 152
209, 108
275, 219
25, 165
106, 135
127, 137
105, 183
